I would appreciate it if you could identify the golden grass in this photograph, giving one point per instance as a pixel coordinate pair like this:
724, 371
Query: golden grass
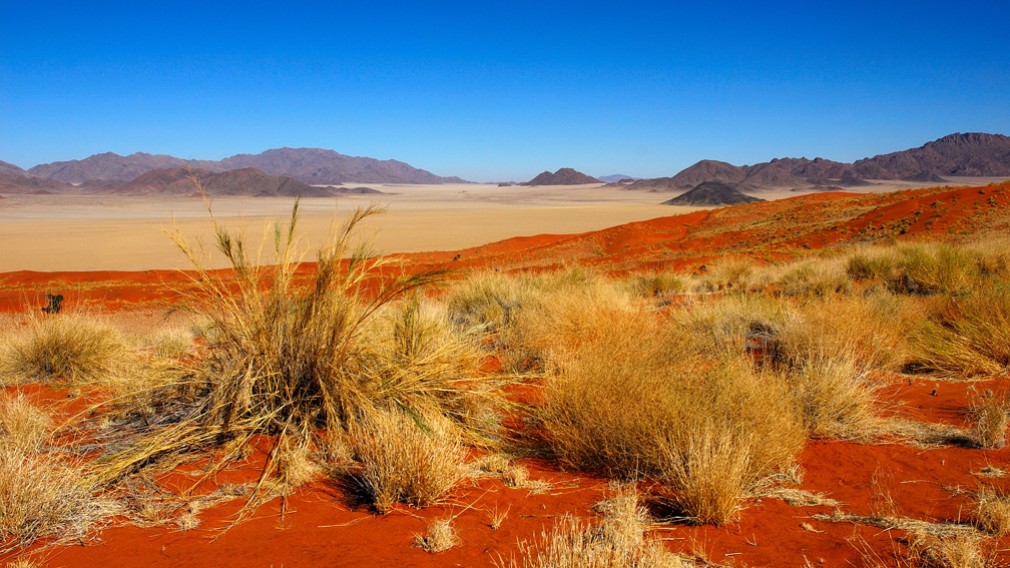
618, 541
406, 459
711, 473
62, 347
968, 334
992, 511
989, 419
965, 550
303, 359
43, 497
439, 537
22, 424
627, 394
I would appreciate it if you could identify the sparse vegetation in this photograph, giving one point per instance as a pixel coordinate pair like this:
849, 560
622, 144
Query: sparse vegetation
618, 541
64, 347
45, 497
345, 371
440, 536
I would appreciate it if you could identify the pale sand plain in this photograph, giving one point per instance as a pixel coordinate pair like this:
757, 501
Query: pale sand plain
88, 232
101, 232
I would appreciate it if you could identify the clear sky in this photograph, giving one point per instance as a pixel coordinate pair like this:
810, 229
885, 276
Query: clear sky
501, 90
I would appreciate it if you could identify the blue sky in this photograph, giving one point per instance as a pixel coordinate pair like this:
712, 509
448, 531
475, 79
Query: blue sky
501, 90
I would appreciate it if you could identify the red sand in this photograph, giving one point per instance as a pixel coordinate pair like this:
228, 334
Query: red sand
321, 528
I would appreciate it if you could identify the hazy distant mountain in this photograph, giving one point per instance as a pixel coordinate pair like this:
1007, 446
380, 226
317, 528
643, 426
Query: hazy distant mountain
564, 176
972, 154
614, 178
180, 181
317, 166
111, 166
309, 165
712, 193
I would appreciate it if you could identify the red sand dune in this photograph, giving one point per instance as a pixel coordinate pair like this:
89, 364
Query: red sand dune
321, 528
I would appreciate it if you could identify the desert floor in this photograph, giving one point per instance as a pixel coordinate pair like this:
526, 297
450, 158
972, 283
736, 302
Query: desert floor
61, 233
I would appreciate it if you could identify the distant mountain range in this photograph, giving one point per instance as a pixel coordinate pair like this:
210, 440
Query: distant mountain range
307, 165
293, 171
971, 154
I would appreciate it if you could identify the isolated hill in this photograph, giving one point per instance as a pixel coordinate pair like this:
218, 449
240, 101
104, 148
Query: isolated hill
564, 176
308, 165
180, 181
709, 170
712, 193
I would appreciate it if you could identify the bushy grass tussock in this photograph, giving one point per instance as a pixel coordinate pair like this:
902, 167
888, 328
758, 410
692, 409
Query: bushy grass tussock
406, 459
44, 497
967, 334
301, 358
61, 347
22, 424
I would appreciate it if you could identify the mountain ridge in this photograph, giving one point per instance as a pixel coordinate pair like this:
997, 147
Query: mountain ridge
307, 165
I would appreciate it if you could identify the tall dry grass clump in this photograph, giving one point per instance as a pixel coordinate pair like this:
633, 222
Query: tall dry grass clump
406, 459
301, 357
618, 541
43, 494
711, 471
43, 497
626, 395
968, 334
61, 347
22, 424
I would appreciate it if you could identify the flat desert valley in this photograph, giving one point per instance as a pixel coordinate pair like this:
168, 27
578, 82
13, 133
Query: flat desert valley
101, 232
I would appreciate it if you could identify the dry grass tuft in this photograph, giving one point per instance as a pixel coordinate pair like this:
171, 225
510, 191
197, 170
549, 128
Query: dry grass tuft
64, 347
619, 541
992, 511
44, 498
441, 536
496, 517
711, 473
22, 424
968, 334
990, 418
627, 395
964, 550
406, 459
